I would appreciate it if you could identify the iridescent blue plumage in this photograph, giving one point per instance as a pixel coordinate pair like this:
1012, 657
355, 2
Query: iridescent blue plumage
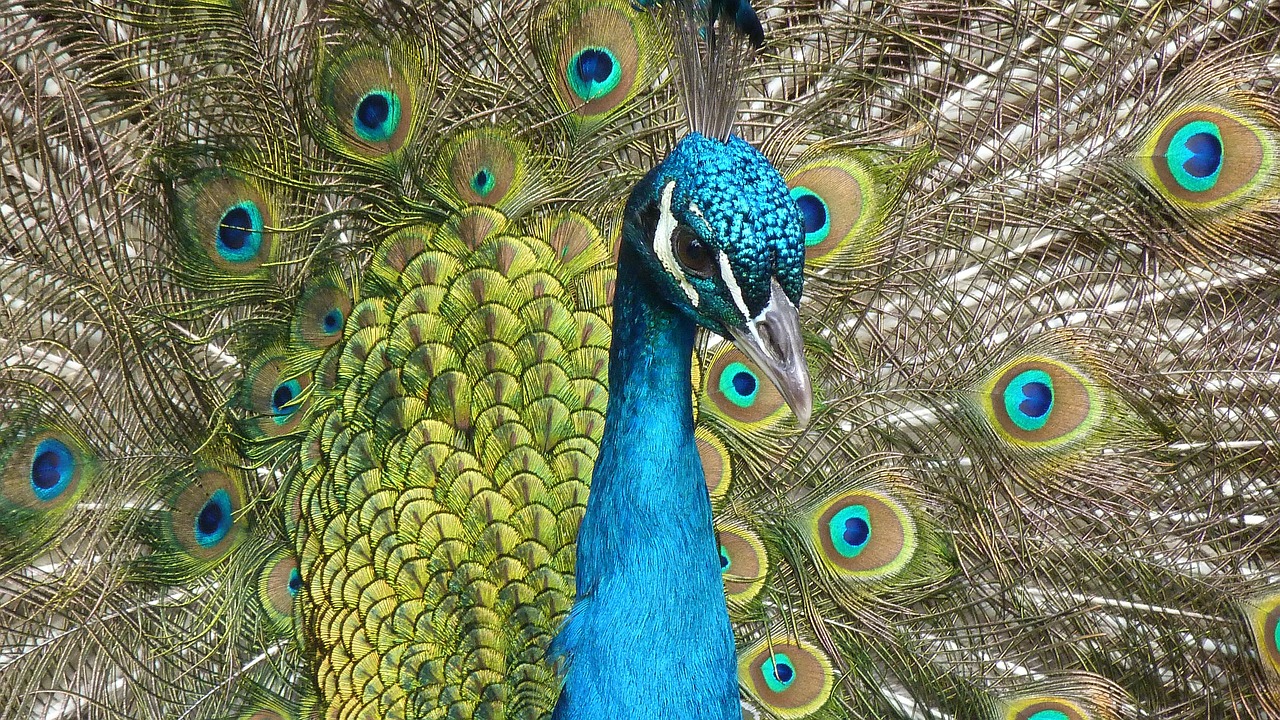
377, 116
240, 233
744, 16
734, 200
52, 469
711, 237
214, 519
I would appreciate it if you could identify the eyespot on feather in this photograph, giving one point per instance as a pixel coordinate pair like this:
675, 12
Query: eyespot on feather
226, 221
744, 563
203, 517
597, 54
791, 678
369, 97
322, 313
276, 402
843, 201
1204, 157
279, 582
1037, 401
484, 167
45, 471
862, 535
738, 392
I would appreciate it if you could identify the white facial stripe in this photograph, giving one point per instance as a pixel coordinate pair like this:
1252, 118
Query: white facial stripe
662, 244
696, 211
731, 282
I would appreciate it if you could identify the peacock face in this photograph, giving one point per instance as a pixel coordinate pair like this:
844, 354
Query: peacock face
724, 242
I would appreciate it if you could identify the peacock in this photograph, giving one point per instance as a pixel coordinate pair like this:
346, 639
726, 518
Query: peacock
586, 359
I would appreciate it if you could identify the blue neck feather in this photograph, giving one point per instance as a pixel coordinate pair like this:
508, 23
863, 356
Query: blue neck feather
649, 635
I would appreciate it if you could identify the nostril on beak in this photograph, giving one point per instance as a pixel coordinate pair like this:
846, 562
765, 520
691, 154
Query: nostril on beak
768, 341
773, 341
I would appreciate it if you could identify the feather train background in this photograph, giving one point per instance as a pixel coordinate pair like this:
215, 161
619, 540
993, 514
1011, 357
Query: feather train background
304, 326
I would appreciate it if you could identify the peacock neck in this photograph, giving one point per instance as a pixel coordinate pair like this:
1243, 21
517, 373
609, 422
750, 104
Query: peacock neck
649, 420
649, 635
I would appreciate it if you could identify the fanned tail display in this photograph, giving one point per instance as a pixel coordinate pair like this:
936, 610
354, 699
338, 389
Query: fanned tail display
306, 321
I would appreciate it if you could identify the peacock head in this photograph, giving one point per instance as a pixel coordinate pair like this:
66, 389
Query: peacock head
718, 232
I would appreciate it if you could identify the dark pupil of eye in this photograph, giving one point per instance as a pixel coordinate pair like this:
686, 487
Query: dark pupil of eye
783, 671
331, 320
210, 518
235, 229
744, 383
295, 582
282, 396
45, 470
1038, 398
692, 253
856, 531
373, 111
594, 65
696, 252
814, 214
1207, 155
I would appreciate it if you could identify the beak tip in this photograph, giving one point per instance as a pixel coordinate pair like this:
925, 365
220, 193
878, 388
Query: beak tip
801, 402
803, 416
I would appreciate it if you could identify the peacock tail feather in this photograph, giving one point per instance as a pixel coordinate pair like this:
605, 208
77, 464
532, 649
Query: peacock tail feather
305, 318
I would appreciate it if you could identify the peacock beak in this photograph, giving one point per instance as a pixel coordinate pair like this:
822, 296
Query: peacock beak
773, 342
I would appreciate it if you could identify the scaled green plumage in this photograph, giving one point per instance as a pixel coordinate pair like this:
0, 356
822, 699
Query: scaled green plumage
304, 325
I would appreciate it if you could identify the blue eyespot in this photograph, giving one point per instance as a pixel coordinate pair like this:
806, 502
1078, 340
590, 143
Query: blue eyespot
281, 399
850, 530
813, 209
52, 469
1048, 715
739, 384
1195, 155
214, 519
593, 73
779, 672
373, 111
377, 116
725, 562
483, 182
240, 232
856, 531
295, 582
1029, 399
332, 322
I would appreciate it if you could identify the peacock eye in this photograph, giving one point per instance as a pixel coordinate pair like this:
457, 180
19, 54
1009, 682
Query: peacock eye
693, 255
